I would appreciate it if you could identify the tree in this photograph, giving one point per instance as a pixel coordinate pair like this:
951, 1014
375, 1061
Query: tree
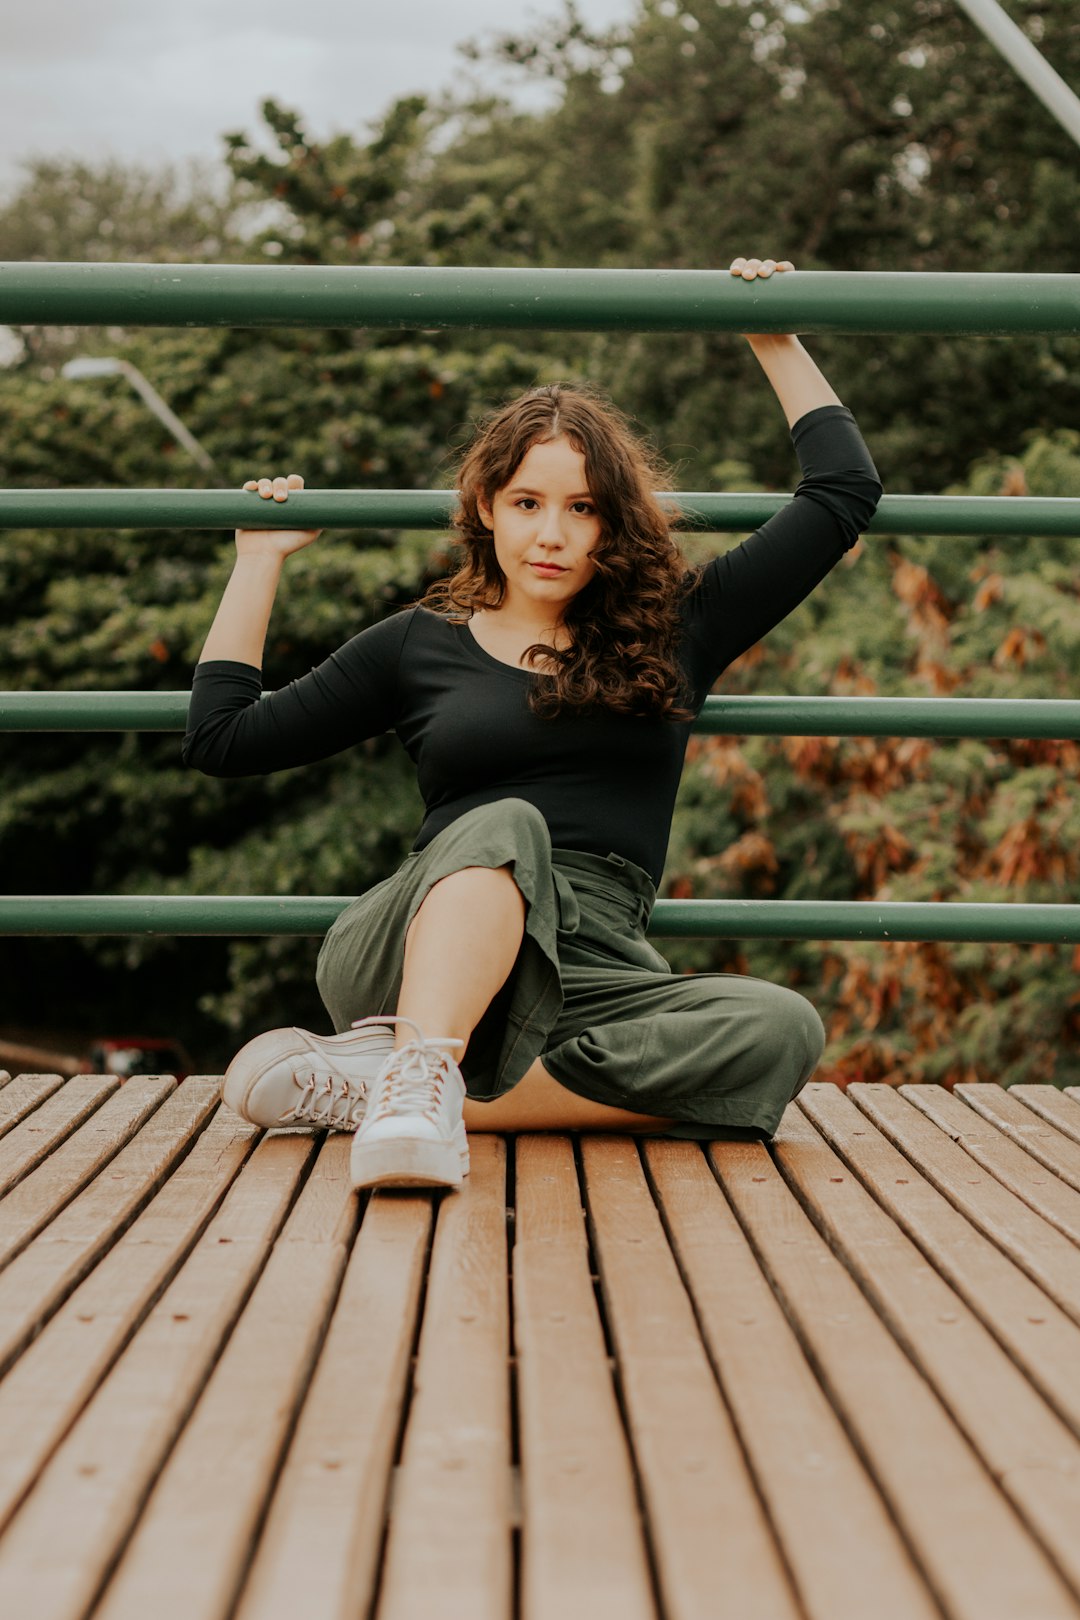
852, 137
93, 609
846, 137
907, 819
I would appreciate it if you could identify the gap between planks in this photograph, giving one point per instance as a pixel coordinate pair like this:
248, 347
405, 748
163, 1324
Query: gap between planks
1037, 1136
407, 1482
980, 1130
20, 1097
1050, 1259
59, 1372
845, 1555
703, 1512
35, 1137
947, 1508
47, 1191
96, 1482
583, 1549
1026, 1449
35, 1283
1058, 1107
448, 1550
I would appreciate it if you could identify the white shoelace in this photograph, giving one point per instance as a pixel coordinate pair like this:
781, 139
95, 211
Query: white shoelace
329, 1100
413, 1081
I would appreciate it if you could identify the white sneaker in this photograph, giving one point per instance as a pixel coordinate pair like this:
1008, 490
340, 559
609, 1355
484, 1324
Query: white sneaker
413, 1134
292, 1077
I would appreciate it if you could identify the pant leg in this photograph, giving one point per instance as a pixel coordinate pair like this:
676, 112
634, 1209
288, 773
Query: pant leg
360, 964
712, 1052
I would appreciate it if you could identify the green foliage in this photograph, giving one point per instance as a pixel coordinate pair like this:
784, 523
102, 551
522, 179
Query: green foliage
886, 819
845, 137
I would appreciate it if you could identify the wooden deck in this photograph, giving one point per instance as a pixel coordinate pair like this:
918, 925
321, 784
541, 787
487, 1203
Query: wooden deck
837, 1379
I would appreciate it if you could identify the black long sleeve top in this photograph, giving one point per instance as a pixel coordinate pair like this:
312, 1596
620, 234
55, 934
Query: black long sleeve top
605, 783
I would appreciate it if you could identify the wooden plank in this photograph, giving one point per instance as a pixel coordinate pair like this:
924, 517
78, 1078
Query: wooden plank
213, 1490
844, 1552
1025, 1447
1039, 1140
1037, 1247
1052, 1105
1038, 1336
713, 1551
32, 1140
20, 1097
1008, 1162
583, 1551
53, 1379
319, 1552
96, 1482
449, 1552
39, 1279
947, 1507
30, 1206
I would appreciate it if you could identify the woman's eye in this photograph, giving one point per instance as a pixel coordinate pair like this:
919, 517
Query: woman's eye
527, 503
583, 508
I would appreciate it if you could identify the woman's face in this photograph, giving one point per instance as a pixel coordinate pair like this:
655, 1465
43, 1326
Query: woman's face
545, 525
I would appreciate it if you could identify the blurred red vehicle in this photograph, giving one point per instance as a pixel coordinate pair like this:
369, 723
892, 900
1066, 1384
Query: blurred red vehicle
139, 1054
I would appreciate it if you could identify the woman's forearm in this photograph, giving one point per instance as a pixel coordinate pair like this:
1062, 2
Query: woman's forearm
796, 380
238, 632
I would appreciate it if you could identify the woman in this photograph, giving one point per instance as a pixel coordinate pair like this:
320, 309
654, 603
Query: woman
500, 979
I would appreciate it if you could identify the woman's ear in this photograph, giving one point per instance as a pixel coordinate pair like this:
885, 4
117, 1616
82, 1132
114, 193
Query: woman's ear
487, 517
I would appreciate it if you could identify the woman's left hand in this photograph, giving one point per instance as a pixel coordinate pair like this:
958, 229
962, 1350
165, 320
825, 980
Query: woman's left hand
750, 269
798, 383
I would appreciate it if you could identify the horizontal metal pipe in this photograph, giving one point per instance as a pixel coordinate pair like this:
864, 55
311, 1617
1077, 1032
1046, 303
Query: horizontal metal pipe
412, 297
754, 716
729, 513
764, 716
93, 711
987, 923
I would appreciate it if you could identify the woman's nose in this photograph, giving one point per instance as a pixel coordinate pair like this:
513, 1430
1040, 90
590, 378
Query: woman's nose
551, 529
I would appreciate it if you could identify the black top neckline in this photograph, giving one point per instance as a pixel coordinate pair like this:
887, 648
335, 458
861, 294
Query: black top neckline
482, 656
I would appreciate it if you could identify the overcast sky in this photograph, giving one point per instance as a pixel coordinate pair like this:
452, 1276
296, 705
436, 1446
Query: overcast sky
162, 79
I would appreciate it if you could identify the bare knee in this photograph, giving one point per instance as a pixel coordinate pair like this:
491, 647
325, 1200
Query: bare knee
470, 894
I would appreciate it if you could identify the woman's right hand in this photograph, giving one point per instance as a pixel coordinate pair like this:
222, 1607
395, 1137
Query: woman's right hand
274, 542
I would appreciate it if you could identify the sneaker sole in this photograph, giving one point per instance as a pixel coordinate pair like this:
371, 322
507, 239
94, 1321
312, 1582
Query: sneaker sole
409, 1161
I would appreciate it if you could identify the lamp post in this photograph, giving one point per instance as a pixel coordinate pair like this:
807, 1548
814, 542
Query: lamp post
111, 367
1026, 60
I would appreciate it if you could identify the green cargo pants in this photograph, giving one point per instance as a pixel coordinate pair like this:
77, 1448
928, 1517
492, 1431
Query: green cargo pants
718, 1053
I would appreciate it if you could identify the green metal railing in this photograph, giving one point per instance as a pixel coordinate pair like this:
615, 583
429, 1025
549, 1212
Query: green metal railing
552, 300
593, 300
1048, 718
672, 919
432, 509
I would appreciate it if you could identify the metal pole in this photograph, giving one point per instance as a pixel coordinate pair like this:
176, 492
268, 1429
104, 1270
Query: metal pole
729, 513
410, 297
1026, 60
153, 400
983, 921
86, 366
759, 715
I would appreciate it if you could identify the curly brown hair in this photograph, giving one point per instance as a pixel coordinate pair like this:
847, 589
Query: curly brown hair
624, 624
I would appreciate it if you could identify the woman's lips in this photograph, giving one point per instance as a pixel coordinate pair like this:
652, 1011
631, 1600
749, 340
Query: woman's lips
547, 569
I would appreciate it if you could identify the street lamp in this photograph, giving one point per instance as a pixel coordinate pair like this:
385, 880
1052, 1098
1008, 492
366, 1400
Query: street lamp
112, 367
